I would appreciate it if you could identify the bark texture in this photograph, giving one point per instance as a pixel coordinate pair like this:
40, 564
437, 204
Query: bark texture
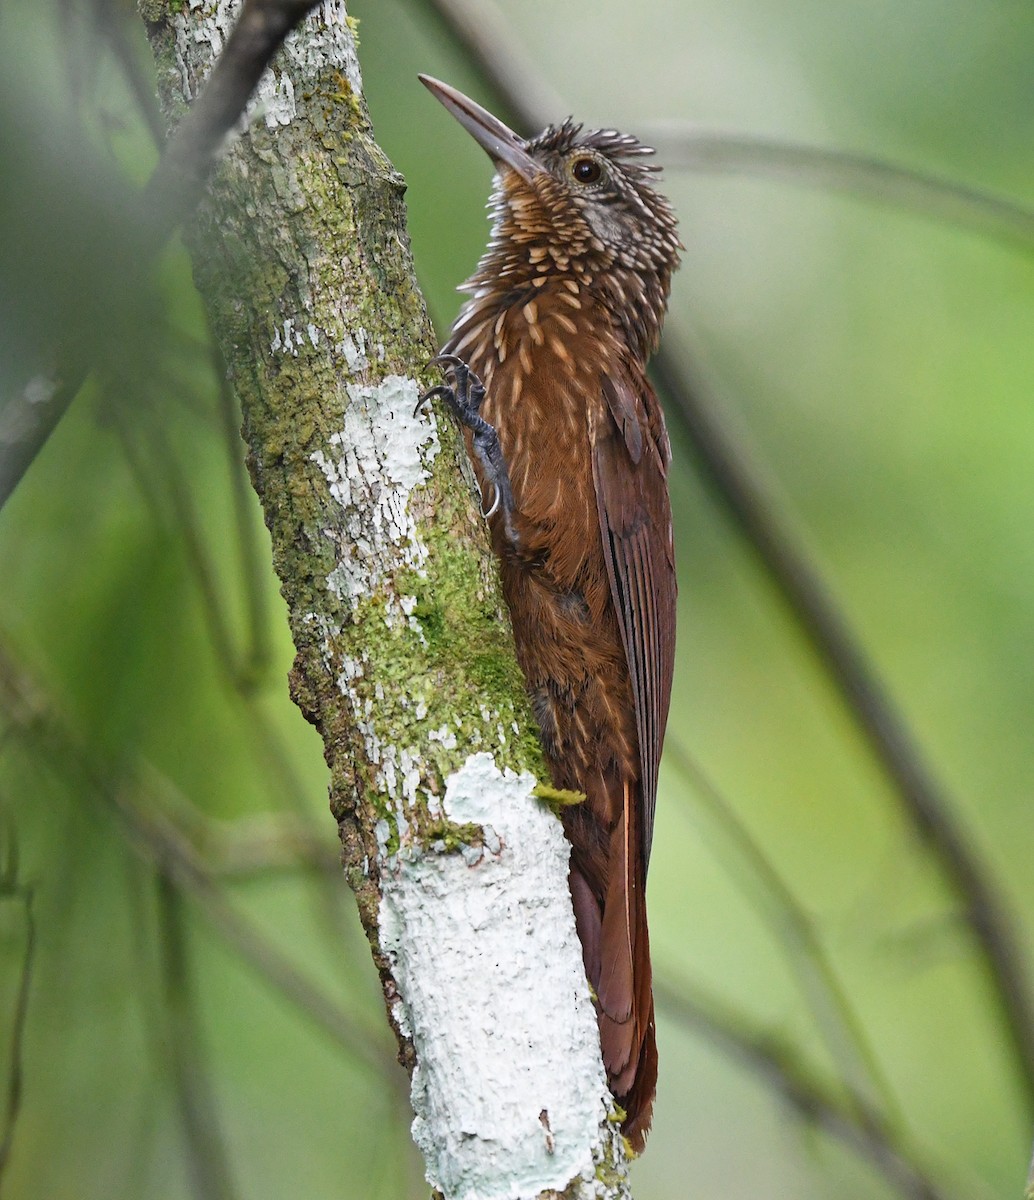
404, 654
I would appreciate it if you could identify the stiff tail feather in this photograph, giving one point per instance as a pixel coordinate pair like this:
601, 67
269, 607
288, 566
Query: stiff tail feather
607, 889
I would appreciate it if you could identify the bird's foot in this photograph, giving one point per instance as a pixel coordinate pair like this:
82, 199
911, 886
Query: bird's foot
464, 395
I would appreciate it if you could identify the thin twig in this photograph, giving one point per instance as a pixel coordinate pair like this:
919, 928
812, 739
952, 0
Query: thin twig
258, 847
12, 889
739, 488
254, 564
161, 482
482, 33
834, 1014
863, 1130
254, 558
109, 16
929, 196
207, 1158
28, 418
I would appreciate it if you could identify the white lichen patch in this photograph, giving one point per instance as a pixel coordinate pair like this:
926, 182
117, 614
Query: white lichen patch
273, 100
379, 458
291, 338
444, 735
352, 349
484, 951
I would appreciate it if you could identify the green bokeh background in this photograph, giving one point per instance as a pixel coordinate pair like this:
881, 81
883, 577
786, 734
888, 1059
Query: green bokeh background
878, 368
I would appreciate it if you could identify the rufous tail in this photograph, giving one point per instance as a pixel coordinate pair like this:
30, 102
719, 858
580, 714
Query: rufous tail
607, 889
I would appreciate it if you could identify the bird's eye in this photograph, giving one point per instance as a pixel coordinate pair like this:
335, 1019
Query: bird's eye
586, 170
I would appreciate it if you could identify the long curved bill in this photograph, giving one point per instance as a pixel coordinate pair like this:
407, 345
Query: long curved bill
498, 140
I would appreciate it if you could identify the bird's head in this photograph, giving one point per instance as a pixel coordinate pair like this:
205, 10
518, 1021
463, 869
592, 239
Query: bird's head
574, 200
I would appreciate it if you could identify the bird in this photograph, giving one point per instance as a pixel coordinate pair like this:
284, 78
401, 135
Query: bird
546, 371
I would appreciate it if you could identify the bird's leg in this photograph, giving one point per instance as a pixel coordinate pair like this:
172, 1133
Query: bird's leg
464, 396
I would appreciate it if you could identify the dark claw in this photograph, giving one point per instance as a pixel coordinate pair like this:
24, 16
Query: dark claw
449, 360
441, 390
464, 399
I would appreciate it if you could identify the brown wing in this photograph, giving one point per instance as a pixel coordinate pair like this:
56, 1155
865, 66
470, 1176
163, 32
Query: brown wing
630, 458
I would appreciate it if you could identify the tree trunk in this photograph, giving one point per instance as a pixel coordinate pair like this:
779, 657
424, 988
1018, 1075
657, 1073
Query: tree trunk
404, 657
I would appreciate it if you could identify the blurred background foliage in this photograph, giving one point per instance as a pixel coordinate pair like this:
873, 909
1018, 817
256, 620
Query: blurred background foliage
187, 1005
